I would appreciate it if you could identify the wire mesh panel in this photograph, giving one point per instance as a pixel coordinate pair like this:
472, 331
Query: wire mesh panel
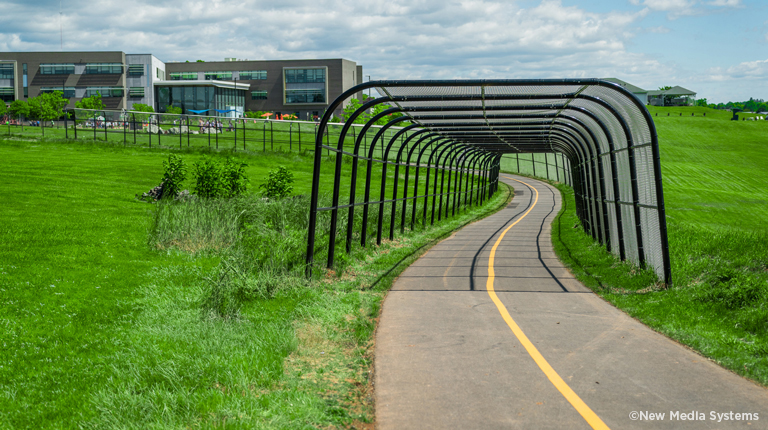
604, 138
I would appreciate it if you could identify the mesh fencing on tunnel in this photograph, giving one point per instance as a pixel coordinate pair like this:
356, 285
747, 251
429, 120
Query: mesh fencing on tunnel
447, 158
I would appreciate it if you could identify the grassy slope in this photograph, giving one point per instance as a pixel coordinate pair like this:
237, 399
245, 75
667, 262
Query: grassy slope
98, 330
713, 172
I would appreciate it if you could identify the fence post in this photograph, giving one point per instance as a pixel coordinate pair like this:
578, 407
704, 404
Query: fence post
264, 136
66, 131
235, 134
159, 118
133, 120
272, 136
533, 162
216, 127
557, 169
290, 137
245, 125
299, 137
125, 130
188, 131
105, 126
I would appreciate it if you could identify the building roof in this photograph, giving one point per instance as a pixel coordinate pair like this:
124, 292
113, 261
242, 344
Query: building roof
631, 88
203, 83
674, 91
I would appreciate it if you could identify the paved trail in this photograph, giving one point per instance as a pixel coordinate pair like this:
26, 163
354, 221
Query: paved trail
446, 358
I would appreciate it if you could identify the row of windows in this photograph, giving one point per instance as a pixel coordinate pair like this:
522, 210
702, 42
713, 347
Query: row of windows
5, 91
219, 76
258, 95
183, 76
91, 69
136, 70
57, 69
303, 76
69, 92
200, 98
104, 69
105, 91
305, 96
6, 71
253, 75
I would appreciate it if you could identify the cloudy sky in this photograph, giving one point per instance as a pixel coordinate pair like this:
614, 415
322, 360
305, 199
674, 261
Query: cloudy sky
718, 48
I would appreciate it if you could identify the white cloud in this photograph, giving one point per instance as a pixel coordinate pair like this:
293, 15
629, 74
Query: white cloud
399, 39
679, 8
726, 3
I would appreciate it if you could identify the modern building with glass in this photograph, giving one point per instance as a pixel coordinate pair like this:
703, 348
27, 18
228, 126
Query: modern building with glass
303, 88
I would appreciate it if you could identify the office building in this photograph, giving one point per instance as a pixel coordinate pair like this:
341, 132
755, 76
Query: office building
226, 88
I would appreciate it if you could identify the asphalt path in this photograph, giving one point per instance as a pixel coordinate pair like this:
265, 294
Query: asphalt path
488, 330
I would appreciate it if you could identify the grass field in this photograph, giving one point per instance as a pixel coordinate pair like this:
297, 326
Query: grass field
251, 135
103, 328
714, 173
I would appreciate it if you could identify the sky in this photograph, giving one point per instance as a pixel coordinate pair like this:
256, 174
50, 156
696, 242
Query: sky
718, 48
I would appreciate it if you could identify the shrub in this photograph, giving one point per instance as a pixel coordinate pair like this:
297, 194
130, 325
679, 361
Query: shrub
174, 175
214, 179
234, 180
208, 181
278, 184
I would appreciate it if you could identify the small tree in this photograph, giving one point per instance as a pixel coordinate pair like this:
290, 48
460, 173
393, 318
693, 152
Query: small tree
174, 175
48, 106
93, 102
235, 182
173, 110
208, 181
141, 107
3, 108
19, 108
278, 184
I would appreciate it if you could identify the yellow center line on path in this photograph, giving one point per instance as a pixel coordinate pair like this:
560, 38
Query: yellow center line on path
589, 416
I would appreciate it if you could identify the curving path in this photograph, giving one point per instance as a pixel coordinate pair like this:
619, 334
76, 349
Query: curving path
533, 348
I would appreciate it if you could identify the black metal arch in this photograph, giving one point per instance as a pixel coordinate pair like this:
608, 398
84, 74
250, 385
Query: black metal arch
450, 156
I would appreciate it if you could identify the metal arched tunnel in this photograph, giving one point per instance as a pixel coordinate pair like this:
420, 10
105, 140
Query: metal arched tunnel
450, 156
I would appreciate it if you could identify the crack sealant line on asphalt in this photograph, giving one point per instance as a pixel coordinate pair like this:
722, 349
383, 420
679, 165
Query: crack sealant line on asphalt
589, 416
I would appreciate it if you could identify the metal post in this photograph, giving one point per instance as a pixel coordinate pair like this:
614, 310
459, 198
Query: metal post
299, 125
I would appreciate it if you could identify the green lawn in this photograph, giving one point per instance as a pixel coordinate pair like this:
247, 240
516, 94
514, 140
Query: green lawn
101, 330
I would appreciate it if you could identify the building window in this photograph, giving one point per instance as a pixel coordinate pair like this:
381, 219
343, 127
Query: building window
253, 75
258, 95
103, 69
305, 96
183, 76
136, 92
104, 91
6, 71
304, 76
6, 94
160, 74
68, 92
136, 70
218, 76
57, 69
24, 73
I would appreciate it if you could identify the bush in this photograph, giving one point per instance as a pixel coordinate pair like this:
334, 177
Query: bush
214, 180
208, 181
174, 175
278, 183
234, 181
